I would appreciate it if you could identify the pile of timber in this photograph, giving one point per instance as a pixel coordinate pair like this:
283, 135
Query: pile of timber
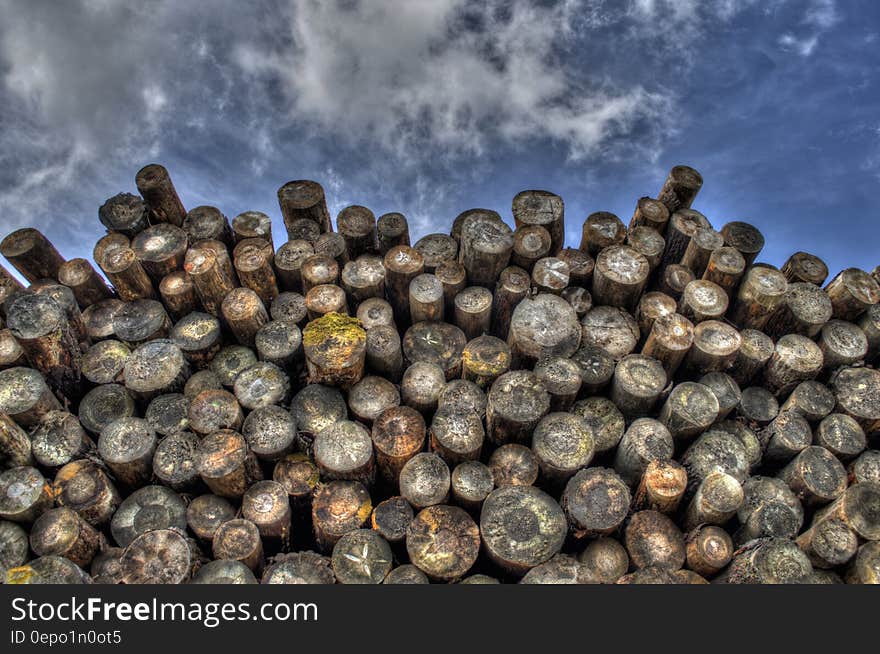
653, 406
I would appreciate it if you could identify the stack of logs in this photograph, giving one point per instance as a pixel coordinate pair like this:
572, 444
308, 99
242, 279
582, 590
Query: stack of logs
653, 406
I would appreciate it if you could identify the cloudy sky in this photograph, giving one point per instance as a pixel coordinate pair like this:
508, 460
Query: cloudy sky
430, 107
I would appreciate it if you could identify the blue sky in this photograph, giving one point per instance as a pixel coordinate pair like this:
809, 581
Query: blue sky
430, 107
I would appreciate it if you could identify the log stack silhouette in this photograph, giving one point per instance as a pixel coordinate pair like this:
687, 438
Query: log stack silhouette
490, 405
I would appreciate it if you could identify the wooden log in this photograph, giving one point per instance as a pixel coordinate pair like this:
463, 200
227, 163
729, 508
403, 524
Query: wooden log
262, 384
127, 446
645, 440
333, 245
253, 265
698, 252
252, 224
168, 414
207, 223
14, 547
650, 213
398, 435
280, 343
842, 344
754, 352
610, 328
544, 209
486, 246
605, 419
104, 404
288, 263
661, 488
147, 509
717, 499
680, 188
715, 451
811, 399
857, 509
471, 484
517, 401
725, 267
673, 279
669, 340
512, 287
815, 476
842, 436
426, 301
174, 463
561, 569
456, 436
47, 570
795, 359
141, 321
563, 443
270, 432
58, 439
212, 410
580, 266
851, 292
223, 572
303, 229
425, 480
211, 279
98, 318
443, 542
521, 527
129, 279
690, 409
314, 408
370, 397
453, 276
124, 214
201, 380
11, 354
760, 294
561, 378
392, 230
361, 557
325, 298
49, 341
299, 568
857, 391
390, 519
15, 445
870, 326
747, 438
24, 495
160, 249
239, 540
770, 561
863, 569
266, 505
244, 313
637, 384
357, 225
179, 295
654, 541
579, 299
805, 267
106, 243
530, 243
199, 338
375, 312
206, 513
828, 544
596, 502
514, 465
85, 488
88, 287
304, 199
318, 269
335, 349
473, 311
435, 249
683, 224
403, 265
647, 242
463, 396
155, 186
25, 397
605, 560
744, 238
708, 550
384, 352
651, 306
597, 367
364, 278
435, 342
31, 254
226, 464
785, 437
715, 347
804, 309
550, 275
542, 326
703, 300
865, 468
154, 368
757, 406
601, 230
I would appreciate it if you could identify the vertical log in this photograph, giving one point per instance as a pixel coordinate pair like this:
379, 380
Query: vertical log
124, 213
288, 263
512, 287
650, 213
601, 230
303, 199
154, 185
207, 223
391, 230
435, 249
680, 188
252, 224
486, 246
543, 209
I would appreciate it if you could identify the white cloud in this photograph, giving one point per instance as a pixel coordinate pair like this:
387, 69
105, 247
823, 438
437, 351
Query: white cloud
802, 46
